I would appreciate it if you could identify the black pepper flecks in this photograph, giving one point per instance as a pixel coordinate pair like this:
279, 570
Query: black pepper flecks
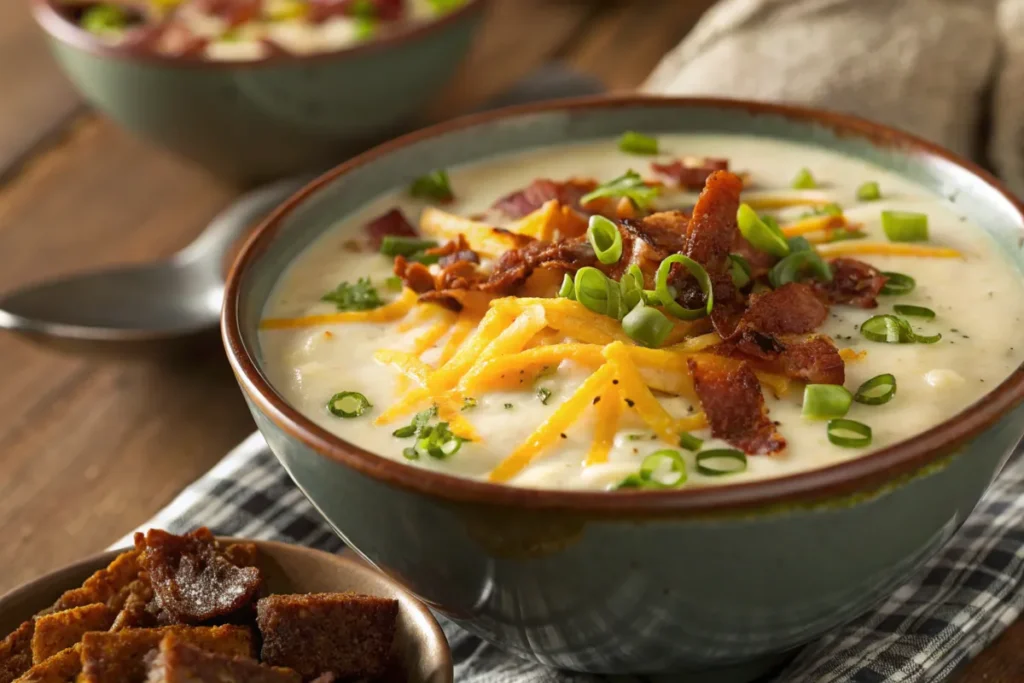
615, 381
509, 406
563, 435
630, 402
597, 399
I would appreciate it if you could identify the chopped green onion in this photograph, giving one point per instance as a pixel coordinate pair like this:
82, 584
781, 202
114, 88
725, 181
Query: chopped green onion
361, 296
632, 142
888, 329
591, 287
667, 298
798, 244
690, 442
831, 209
104, 18
825, 401
898, 283
567, 290
362, 8
445, 6
676, 465
633, 481
364, 28
843, 234
632, 285
641, 437
419, 424
394, 283
764, 236
616, 308
435, 185
914, 311
905, 226
400, 245
869, 191
739, 269
439, 442
647, 326
877, 390
424, 258
544, 394
348, 404
848, 433
721, 461
791, 268
509, 406
925, 339
468, 403
804, 180
629, 185
605, 239
410, 453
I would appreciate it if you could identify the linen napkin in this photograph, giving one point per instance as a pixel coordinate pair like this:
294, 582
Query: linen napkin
955, 606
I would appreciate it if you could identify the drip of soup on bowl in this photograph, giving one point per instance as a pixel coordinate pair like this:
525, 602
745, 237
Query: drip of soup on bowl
251, 30
645, 313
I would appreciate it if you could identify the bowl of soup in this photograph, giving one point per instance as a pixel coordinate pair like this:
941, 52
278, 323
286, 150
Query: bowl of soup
259, 89
631, 385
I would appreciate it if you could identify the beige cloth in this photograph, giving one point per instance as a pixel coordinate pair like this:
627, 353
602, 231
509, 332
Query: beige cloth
926, 66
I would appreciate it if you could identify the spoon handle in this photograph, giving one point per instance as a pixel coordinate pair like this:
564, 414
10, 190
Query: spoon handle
230, 224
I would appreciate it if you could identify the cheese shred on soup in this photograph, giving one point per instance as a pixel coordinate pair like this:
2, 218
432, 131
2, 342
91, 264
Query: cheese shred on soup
646, 313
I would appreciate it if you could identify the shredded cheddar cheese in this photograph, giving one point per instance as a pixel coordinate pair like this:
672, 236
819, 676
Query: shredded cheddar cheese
609, 410
885, 249
540, 224
851, 356
463, 327
432, 335
386, 313
813, 224
482, 238
770, 202
779, 384
556, 424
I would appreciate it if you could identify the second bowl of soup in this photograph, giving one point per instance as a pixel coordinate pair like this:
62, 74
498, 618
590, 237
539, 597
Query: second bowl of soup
642, 373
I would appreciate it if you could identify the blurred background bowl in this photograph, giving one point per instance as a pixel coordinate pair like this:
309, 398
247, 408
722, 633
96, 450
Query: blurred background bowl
249, 122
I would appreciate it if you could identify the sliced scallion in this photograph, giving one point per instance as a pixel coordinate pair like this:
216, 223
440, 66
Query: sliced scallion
394, 283
877, 390
348, 404
721, 461
791, 268
914, 311
632, 286
544, 394
591, 287
629, 185
647, 326
869, 191
400, 245
605, 239
649, 469
804, 180
434, 185
898, 283
632, 142
667, 297
763, 235
690, 442
739, 269
905, 226
892, 329
568, 289
826, 401
104, 18
849, 433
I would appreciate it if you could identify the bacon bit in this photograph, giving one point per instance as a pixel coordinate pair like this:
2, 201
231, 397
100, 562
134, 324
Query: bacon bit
760, 261
458, 275
416, 276
854, 283
791, 309
712, 229
815, 360
234, 12
540, 191
454, 251
516, 265
625, 209
730, 394
690, 173
394, 223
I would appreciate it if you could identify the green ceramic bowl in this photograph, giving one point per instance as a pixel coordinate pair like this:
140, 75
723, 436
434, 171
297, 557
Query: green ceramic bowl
256, 121
721, 580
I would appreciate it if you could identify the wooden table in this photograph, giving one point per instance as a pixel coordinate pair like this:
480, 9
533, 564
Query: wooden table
90, 449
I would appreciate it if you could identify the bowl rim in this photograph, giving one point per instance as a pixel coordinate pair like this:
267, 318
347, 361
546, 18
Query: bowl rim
102, 559
68, 33
855, 476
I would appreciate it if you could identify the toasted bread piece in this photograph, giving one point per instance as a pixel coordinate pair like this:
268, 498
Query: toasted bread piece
192, 578
242, 554
179, 662
107, 585
58, 631
120, 657
62, 667
16, 652
343, 633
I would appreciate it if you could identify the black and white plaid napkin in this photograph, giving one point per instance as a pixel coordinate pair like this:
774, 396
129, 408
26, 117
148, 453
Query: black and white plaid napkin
952, 609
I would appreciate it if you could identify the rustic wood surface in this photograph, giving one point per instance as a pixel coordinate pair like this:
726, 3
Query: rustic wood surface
90, 449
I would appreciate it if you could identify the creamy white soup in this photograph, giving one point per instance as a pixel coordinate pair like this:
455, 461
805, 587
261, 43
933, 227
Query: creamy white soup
970, 295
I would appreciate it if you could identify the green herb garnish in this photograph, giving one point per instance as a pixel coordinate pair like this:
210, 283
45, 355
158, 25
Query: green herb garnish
362, 296
629, 185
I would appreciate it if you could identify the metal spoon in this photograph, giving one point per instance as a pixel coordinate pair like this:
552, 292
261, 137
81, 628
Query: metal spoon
144, 308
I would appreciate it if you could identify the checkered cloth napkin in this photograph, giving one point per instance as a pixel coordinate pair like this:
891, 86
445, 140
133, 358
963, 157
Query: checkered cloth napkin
949, 611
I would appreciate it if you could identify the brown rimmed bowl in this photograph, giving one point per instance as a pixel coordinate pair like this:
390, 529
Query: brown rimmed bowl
260, 120
420, 646
722, 580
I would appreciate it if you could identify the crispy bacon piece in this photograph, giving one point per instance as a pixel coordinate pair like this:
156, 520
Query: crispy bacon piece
815, 360
793, 308
393, 222
690, 173
416, 276
731, 397
854, 283
455, 251
516, 265
712, 228
234, 12
541, 191
760, 261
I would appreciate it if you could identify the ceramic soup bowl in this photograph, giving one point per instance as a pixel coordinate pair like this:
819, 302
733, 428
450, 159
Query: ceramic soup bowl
724, 579
254, 121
